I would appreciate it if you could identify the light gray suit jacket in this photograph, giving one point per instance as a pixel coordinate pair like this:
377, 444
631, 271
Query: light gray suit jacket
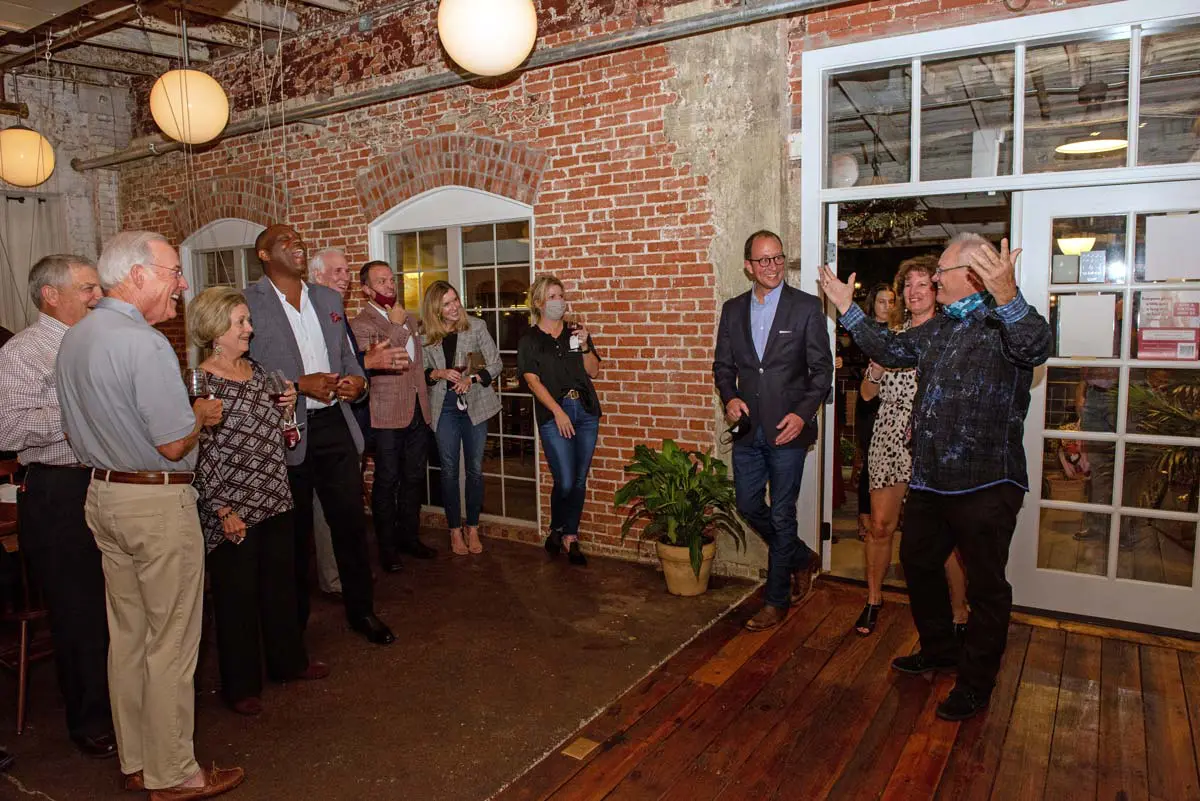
274, 347
482, 402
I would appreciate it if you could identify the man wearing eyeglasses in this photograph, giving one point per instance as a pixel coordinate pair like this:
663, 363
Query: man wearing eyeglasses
773, 370
974, 364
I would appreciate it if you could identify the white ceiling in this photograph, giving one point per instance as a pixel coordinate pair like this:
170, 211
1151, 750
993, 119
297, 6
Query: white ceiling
21, 15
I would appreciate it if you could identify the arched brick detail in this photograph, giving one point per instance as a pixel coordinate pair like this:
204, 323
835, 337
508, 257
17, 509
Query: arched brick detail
509, 169
221, 198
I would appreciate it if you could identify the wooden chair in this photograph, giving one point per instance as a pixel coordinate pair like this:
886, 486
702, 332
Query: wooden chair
25, 609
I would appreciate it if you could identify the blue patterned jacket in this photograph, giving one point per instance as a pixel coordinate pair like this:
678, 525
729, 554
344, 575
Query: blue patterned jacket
973, 378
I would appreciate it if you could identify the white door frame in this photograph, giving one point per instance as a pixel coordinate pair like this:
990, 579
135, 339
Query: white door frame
1128, 600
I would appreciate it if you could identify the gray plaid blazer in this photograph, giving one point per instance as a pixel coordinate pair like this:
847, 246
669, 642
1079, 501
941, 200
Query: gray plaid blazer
482, 402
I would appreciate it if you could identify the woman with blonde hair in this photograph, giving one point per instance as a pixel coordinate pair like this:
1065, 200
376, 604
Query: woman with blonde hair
246, 510
558, 361
461, 362
889, 460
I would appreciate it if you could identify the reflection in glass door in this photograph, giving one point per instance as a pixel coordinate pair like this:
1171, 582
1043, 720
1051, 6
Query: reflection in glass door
1114, 424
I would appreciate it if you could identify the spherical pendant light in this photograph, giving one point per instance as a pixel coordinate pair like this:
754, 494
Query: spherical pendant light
189, 106
26, 158
487, 37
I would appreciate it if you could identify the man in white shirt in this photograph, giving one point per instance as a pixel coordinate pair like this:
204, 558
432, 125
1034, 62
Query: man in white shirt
299, 328
54, 535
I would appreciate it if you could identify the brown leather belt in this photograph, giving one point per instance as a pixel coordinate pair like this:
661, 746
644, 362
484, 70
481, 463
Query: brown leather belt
117, 477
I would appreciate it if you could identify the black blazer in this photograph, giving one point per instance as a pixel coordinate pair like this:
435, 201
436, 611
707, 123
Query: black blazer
796, 370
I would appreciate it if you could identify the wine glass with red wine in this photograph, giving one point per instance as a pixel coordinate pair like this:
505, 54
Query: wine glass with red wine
197, 385
462, 399
276, 389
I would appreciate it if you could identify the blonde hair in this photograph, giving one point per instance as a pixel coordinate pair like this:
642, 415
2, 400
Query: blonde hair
926, 264
537, 295
431, 313
209, 313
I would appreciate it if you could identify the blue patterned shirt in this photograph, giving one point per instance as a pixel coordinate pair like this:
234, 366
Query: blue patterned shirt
973, 379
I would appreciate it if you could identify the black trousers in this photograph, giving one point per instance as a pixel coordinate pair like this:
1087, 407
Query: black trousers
331, 467
401, 455
65, 563
980, 524
253, 591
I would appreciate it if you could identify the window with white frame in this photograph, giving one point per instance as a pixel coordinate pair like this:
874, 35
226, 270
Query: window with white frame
222, 254
483, 248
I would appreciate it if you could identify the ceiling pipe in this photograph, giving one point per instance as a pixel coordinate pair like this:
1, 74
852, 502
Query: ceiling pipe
78, 36
588, 48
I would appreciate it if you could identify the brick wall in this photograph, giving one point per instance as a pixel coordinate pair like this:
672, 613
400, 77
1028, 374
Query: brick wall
620, 216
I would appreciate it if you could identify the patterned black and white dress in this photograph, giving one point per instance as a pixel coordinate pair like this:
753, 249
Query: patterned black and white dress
890, 459
242, 463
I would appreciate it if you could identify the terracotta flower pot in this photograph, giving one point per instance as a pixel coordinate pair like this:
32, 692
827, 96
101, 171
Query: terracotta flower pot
677, 568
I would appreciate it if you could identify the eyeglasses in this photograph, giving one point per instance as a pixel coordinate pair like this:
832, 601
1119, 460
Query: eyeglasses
938, 272
177, 271
767, 261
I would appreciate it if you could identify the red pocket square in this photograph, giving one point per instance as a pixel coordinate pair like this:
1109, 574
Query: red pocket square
337, 318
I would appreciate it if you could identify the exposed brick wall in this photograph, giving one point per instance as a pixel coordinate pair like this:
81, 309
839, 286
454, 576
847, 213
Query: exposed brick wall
619, 216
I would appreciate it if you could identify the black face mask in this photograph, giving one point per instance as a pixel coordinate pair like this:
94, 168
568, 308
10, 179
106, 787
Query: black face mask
738, 430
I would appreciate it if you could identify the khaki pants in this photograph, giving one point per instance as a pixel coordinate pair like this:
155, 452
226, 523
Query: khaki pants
153, 556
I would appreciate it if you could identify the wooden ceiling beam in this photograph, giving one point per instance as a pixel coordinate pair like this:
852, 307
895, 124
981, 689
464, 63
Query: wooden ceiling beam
215, 34
247, 12
151, 44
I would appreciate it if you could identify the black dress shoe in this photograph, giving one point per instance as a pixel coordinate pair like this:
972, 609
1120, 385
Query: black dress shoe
961, 704
6, 760
418, 550
101, 747
374, 629
390, 564
554, 543
575, 555
918, 663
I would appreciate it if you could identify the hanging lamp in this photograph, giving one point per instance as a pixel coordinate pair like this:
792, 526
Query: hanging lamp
26, 158
487, 37
1075, 245
188, 105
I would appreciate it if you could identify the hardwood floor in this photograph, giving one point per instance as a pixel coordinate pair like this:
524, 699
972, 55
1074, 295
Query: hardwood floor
809, 710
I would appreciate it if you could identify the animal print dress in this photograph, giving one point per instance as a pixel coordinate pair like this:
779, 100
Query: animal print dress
889, 460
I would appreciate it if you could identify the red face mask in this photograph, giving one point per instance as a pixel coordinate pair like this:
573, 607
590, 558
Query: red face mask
386, 301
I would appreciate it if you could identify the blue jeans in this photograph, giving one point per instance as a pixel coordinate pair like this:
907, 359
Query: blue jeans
756, 462
455, 429
570, 460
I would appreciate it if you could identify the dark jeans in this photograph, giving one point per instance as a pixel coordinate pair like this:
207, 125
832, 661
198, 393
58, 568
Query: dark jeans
569, 460
65, 564
455, 430
331, 467
253, 588
400, 458
756, 462
980, 525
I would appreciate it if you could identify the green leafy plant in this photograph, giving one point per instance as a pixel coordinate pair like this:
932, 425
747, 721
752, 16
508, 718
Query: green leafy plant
1169, 406
684, 497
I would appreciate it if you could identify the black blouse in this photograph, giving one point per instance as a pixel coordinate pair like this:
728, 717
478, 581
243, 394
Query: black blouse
559, 370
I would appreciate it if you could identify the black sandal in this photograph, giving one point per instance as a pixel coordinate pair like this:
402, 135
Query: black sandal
867, 620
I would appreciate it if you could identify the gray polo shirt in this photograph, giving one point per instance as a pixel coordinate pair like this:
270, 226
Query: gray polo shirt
121, 392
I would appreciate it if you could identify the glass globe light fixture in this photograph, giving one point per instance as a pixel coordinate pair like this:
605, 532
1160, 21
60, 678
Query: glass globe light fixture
487, 37
26, 158
189, 106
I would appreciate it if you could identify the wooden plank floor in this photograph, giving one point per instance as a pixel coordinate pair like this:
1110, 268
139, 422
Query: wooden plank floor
812, 711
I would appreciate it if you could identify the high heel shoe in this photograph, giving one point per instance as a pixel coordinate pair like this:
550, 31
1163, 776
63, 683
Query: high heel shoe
456, 542
960, 633
473, 543
867, 620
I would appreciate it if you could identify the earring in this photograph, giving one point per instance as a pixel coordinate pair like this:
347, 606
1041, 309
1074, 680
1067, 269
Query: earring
216, 349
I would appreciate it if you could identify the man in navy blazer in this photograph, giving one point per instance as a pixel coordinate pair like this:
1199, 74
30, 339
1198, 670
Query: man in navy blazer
773, 370
299, 328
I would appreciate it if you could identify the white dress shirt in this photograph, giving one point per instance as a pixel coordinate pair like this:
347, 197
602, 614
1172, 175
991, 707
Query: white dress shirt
310, 339
30, 417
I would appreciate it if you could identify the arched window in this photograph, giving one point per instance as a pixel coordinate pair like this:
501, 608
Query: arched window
220, 254
482, 244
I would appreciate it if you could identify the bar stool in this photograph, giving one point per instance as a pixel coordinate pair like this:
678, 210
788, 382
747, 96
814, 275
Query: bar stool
26, 609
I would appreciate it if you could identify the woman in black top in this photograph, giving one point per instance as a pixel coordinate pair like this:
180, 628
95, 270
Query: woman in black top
558, 361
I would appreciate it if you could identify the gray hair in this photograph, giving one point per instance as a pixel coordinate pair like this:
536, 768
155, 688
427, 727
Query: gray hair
316, 264
122, 252
53, 271
966, 241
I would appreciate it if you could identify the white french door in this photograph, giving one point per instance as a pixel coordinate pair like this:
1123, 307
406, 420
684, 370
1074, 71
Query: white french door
1113, 433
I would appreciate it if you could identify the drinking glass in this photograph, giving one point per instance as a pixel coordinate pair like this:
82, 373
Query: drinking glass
276, 388
462, 399
572, 324
197, 384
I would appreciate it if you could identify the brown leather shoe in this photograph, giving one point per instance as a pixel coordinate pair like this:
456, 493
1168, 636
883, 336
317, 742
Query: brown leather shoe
804, 579
314, 671
216, 781
135, 782
249, 706
767, 618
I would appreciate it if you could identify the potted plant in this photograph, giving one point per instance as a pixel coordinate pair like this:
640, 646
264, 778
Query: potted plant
685, 499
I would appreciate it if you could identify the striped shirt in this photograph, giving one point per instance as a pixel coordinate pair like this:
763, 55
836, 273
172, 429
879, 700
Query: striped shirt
30, 417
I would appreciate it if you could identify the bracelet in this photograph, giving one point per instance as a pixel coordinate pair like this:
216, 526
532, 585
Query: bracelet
872, 378
228, 514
